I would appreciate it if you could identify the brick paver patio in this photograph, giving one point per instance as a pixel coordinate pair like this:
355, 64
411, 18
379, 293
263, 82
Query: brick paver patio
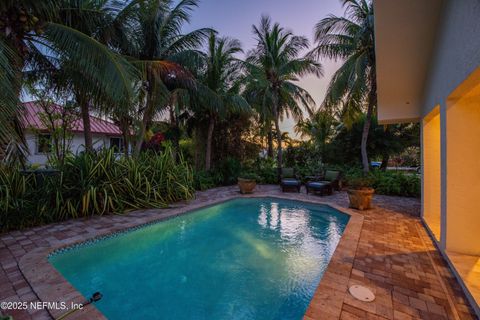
390, 253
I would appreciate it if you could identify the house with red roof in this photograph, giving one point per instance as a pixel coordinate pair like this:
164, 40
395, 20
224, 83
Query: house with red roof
105, 134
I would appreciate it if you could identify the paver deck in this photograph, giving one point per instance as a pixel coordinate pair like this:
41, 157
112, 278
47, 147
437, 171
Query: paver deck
386, 249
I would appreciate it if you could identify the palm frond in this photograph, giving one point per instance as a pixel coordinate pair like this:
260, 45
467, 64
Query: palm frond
108, 73
11, 135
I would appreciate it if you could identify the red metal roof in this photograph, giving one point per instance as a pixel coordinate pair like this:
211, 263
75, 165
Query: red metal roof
33, 121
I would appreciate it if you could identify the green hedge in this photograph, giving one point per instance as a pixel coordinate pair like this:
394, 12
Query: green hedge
395, 183
230, 169
92, 184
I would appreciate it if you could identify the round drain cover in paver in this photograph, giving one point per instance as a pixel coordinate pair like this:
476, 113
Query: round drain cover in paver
361, 293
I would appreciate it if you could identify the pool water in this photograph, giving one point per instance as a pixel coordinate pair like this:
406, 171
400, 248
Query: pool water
258, 258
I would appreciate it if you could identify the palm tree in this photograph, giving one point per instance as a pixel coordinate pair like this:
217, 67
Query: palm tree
150, 33
221, 76
35, 36
97, 20
352, 40
274, 67
320, 128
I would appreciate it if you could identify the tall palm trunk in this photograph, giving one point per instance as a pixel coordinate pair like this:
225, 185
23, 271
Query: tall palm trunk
270, 142
385, 159
87, 129
279, 146
372, 101
208, 153
142, 130
147, 115
385, 155
125, 128
276, 117
197, 152
175, 129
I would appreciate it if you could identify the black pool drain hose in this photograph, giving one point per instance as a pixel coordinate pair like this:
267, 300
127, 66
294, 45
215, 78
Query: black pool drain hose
94, 298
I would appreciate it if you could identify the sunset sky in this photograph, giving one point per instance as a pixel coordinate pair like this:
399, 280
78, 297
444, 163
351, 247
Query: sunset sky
235, 18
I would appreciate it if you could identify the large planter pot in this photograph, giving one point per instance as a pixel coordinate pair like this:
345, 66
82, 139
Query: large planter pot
246, 185
361, 198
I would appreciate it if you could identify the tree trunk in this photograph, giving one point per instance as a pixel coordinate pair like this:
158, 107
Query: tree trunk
279, 147
125, 128
87, 130
175, 129
270, 142
147, 114
372, 101
385, 155
385, 159
197, 140
142, 131
208, 153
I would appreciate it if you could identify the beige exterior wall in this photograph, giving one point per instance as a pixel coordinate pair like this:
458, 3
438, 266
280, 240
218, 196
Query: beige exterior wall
463, 173
449, 109
431, 171
406, 32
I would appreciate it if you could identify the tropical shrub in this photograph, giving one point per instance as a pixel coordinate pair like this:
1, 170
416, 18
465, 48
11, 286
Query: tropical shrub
92, 184
155, 142
249, 175
229, 169
395, 183
265, 169
204, 180
360, 182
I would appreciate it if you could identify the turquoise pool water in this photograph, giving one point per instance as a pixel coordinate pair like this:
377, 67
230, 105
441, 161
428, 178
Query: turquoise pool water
242, 259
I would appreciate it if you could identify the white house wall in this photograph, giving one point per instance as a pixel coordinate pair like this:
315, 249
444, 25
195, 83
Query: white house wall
77, 146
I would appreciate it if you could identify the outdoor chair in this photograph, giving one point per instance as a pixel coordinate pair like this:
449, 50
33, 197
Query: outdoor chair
326, 184
289, 180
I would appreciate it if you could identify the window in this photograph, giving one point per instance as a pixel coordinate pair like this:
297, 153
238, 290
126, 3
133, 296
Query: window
116, 143
44, 143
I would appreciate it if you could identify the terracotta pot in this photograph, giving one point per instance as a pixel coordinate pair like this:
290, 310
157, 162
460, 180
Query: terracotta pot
246, 185
361, 198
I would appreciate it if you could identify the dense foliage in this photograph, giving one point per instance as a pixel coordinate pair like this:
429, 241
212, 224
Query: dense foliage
353, 87
395, 183
195, 109
390, 182
92, 184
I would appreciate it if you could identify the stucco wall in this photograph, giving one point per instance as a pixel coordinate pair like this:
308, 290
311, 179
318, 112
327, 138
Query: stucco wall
457, 52
431, 171
99, 141
463, 175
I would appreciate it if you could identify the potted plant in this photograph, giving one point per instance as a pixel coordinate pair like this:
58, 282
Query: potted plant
247, 181
360, 192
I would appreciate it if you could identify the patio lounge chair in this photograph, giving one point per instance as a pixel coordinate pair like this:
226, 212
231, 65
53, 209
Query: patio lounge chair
289, 180
326, 184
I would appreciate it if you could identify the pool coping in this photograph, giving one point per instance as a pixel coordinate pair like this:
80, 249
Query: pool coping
50, 286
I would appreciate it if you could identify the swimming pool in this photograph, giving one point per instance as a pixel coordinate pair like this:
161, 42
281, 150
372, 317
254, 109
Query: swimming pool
255, 258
